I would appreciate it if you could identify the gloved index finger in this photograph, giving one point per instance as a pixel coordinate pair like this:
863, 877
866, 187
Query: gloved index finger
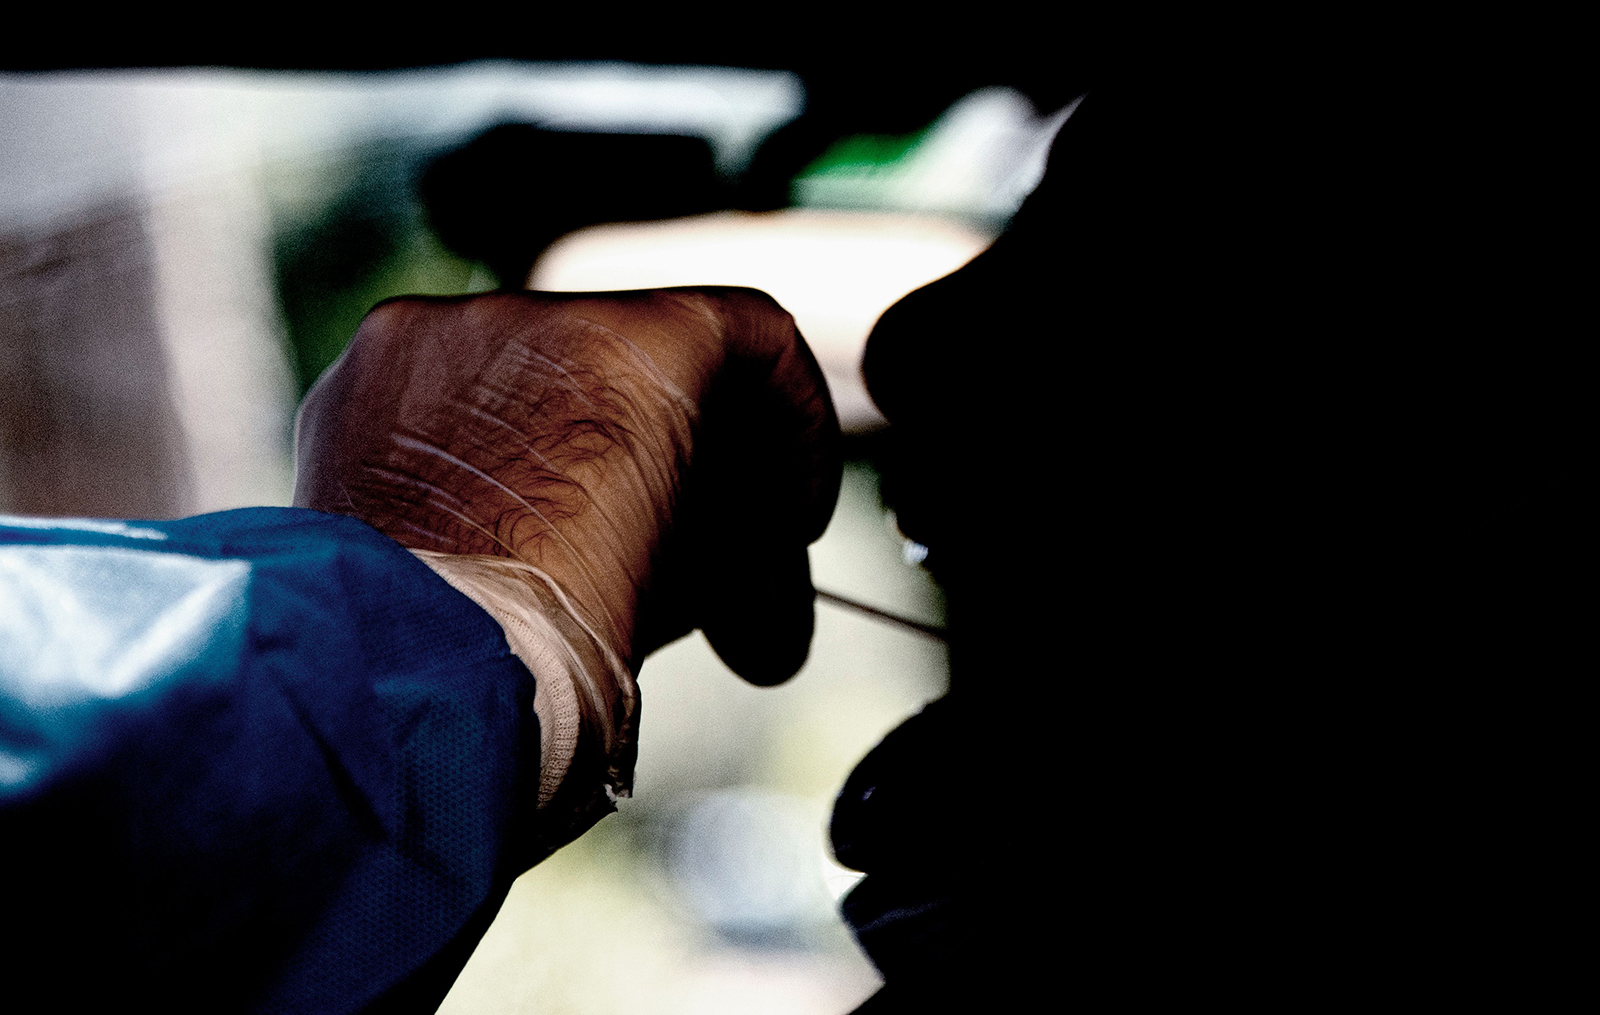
790, 431
764, 479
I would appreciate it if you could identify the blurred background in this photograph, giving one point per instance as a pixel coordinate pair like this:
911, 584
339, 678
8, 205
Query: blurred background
184, 247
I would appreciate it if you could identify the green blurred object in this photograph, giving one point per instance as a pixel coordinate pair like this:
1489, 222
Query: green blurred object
349, 235
864, 152
854, 171
976, 162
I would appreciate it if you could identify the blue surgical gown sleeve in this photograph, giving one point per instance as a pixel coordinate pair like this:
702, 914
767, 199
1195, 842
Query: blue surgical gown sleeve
260, 760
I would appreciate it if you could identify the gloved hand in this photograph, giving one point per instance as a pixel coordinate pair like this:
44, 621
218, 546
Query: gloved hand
644, 463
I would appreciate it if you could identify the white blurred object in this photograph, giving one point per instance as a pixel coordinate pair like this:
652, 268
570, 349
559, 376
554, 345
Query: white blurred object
181, 159
745, 860
75, 139
835, 271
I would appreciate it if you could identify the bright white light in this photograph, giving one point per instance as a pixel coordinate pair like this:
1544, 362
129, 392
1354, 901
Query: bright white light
835, 271
101, 525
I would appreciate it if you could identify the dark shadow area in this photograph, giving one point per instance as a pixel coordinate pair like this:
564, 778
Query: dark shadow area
506, 195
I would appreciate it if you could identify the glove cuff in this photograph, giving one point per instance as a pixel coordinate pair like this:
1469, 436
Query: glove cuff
586, 698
